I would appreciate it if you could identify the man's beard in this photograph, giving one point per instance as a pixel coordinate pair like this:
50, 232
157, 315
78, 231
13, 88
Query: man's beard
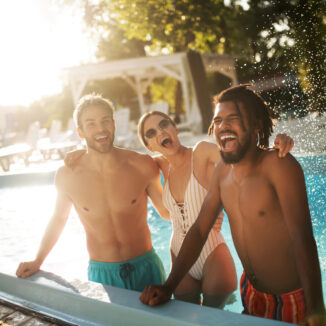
100, 148
235, 157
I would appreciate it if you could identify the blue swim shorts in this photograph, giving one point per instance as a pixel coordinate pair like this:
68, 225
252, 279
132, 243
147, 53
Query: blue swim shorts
133, 274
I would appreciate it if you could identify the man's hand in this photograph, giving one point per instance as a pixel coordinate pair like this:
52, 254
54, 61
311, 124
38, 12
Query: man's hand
314, 320
72, 158
155, 294
283, 143
26, 269
218, 224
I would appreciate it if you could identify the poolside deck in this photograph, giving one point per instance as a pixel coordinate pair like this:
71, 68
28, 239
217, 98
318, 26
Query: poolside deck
13, 315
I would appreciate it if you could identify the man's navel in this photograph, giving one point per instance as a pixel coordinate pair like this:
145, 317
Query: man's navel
133, 201
85, 209
261, 213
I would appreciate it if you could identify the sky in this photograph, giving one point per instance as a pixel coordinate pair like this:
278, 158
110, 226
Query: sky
37, 41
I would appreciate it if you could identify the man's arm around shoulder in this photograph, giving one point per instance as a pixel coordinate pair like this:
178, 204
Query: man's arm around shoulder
53, 229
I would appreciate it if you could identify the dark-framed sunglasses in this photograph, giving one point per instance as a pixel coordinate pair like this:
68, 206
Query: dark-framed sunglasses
162, 125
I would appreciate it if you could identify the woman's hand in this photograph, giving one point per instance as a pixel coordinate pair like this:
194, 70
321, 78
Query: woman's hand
284, 144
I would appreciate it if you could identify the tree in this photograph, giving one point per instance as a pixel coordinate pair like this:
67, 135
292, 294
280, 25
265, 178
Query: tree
169, 24
291, 34
270, 37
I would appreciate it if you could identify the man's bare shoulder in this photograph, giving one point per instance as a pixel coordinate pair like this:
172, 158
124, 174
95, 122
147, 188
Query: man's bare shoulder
63, 171
133, 156
148, 165
141, 162
62, 176
273, 165
271, 156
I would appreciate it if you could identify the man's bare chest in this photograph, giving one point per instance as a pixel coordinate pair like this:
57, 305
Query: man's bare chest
112, 193
251, 198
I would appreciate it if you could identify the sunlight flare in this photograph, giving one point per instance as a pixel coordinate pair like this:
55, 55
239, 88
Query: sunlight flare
38, 40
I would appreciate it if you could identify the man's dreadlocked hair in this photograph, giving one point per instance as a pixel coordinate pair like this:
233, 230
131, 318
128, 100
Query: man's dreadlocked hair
254, 104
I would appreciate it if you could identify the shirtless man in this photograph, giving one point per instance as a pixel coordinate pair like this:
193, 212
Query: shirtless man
266, 203
109, 188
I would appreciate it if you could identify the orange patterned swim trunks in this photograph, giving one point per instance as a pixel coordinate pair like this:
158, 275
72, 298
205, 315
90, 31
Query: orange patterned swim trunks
288, 307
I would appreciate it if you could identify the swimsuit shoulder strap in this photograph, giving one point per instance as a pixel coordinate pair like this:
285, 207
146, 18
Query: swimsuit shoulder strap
192, 160
168, 176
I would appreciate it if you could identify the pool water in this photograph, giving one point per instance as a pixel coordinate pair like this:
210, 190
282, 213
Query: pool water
25, 211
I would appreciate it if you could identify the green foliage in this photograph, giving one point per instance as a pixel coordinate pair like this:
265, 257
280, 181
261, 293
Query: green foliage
119, 91
271, 38
205, 26
163, 89
290, 36
49, 108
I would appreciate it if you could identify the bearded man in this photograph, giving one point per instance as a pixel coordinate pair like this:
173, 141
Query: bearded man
266, 202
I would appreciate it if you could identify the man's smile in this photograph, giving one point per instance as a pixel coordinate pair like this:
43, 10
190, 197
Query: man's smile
101, 139
227, 141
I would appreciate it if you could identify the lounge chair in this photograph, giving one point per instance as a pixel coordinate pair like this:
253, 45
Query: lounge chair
193, 124
58, 143
9, 154
124, 133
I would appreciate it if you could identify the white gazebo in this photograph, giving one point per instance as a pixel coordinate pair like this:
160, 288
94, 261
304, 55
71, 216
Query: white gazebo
140, 72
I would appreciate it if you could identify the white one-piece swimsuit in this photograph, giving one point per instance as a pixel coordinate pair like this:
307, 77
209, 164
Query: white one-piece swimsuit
183, 215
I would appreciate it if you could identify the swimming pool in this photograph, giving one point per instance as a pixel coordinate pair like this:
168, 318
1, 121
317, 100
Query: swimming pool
25, 210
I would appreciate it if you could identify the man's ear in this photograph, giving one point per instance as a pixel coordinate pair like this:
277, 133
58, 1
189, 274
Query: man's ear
258, 126
80, 133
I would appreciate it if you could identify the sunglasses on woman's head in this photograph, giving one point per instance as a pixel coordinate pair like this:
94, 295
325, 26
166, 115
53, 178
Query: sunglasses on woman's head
162, 125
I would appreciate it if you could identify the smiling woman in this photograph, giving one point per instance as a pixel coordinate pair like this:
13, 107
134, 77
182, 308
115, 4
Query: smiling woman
37, 41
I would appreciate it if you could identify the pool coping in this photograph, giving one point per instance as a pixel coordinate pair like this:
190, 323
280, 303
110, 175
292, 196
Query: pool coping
90, 304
